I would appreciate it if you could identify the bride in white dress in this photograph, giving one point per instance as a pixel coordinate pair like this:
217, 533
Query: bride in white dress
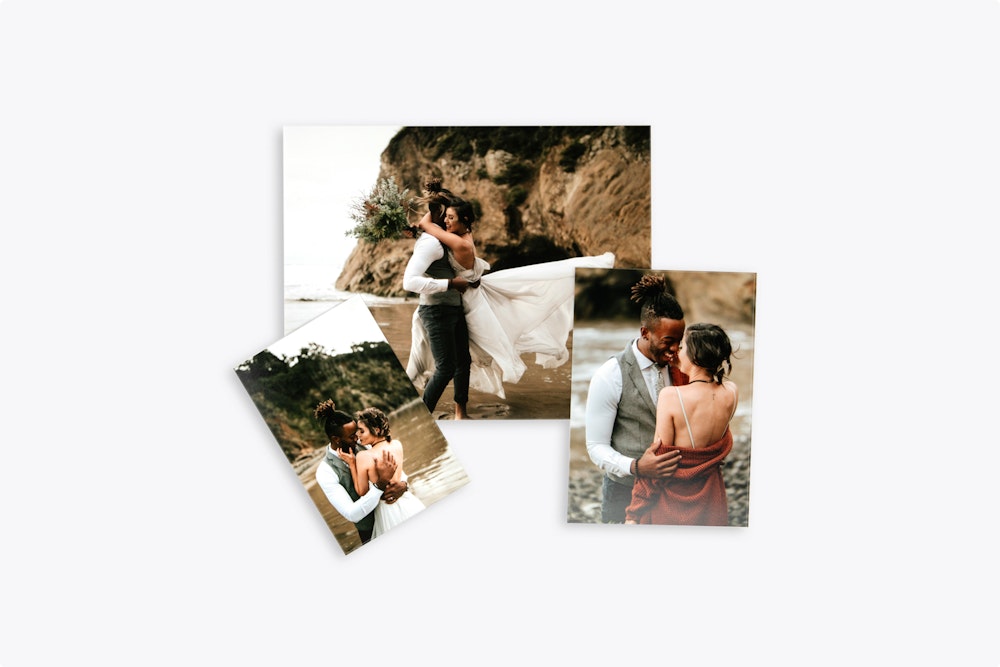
527, 309
373, 431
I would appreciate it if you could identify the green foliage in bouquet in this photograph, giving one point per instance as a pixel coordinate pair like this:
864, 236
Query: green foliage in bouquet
382, 214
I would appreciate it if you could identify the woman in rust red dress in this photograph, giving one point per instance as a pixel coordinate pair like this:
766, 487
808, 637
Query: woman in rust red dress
693, 419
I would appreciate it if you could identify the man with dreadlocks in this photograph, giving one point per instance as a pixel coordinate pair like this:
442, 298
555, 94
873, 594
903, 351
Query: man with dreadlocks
621, 402
334, 474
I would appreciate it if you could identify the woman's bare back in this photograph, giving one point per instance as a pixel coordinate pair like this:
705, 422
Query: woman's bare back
709, 409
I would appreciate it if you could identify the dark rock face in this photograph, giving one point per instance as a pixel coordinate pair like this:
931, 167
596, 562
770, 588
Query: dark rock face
725, 298
545, 193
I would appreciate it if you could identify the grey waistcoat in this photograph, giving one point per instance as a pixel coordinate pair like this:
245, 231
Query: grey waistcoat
344, 477
635, 423
441, 268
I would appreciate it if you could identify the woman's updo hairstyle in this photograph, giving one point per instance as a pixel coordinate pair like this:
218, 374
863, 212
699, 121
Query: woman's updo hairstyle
376, 421
708, 346
331, 418
651, 293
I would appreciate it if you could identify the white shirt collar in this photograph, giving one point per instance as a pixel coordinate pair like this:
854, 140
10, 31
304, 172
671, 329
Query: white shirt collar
644, 361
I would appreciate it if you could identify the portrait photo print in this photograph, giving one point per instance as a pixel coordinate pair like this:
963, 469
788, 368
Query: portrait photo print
464, 242
351, 424
664, 356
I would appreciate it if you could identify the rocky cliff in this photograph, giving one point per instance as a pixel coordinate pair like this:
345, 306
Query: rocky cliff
541, 193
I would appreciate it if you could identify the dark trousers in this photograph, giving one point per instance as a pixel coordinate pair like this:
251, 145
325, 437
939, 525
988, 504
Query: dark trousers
615, 500
449, 340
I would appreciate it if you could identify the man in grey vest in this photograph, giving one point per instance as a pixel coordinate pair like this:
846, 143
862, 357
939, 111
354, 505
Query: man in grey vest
621, 401
429, 274
334, 477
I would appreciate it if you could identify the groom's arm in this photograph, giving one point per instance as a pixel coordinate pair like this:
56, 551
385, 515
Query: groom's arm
426, 250
602, 408
395, 489
352, 510
385, 468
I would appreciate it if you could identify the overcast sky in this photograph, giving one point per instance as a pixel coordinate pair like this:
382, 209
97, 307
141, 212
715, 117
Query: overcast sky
326, 169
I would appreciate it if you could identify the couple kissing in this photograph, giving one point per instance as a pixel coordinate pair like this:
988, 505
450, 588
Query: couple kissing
362, 472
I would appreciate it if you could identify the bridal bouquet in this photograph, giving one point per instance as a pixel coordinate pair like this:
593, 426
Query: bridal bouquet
381, 215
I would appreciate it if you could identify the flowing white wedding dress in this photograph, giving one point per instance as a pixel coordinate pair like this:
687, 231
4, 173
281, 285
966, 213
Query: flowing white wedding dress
512, 312
390, 515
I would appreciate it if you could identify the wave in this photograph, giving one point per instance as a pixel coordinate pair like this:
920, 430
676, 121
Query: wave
306, 283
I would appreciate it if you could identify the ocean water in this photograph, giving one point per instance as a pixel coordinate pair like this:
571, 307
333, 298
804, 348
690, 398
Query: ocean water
310, 292
312, 282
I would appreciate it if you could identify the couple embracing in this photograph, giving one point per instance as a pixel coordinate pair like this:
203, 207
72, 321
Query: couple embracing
667, 387
362, 472
472, 325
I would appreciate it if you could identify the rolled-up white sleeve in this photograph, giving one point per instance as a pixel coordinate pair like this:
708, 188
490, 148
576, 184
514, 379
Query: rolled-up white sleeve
602, 408
352, 510
426, 250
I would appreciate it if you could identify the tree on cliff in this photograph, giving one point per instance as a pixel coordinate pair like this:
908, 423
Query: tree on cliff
286, 389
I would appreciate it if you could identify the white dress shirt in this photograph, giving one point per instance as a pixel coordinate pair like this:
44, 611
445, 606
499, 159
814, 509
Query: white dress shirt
426, 250
602, 409
352, 510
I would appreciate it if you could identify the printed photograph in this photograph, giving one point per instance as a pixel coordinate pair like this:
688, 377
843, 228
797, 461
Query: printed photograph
351, 424
464, 241
662, 391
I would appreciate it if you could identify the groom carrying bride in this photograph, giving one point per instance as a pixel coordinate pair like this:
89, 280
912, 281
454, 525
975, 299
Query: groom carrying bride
478, 337
429, 274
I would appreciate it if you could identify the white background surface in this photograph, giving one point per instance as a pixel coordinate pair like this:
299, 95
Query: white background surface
326, 171
847, 152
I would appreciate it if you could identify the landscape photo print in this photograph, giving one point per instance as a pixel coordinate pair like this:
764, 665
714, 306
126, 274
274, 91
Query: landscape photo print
365, 211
